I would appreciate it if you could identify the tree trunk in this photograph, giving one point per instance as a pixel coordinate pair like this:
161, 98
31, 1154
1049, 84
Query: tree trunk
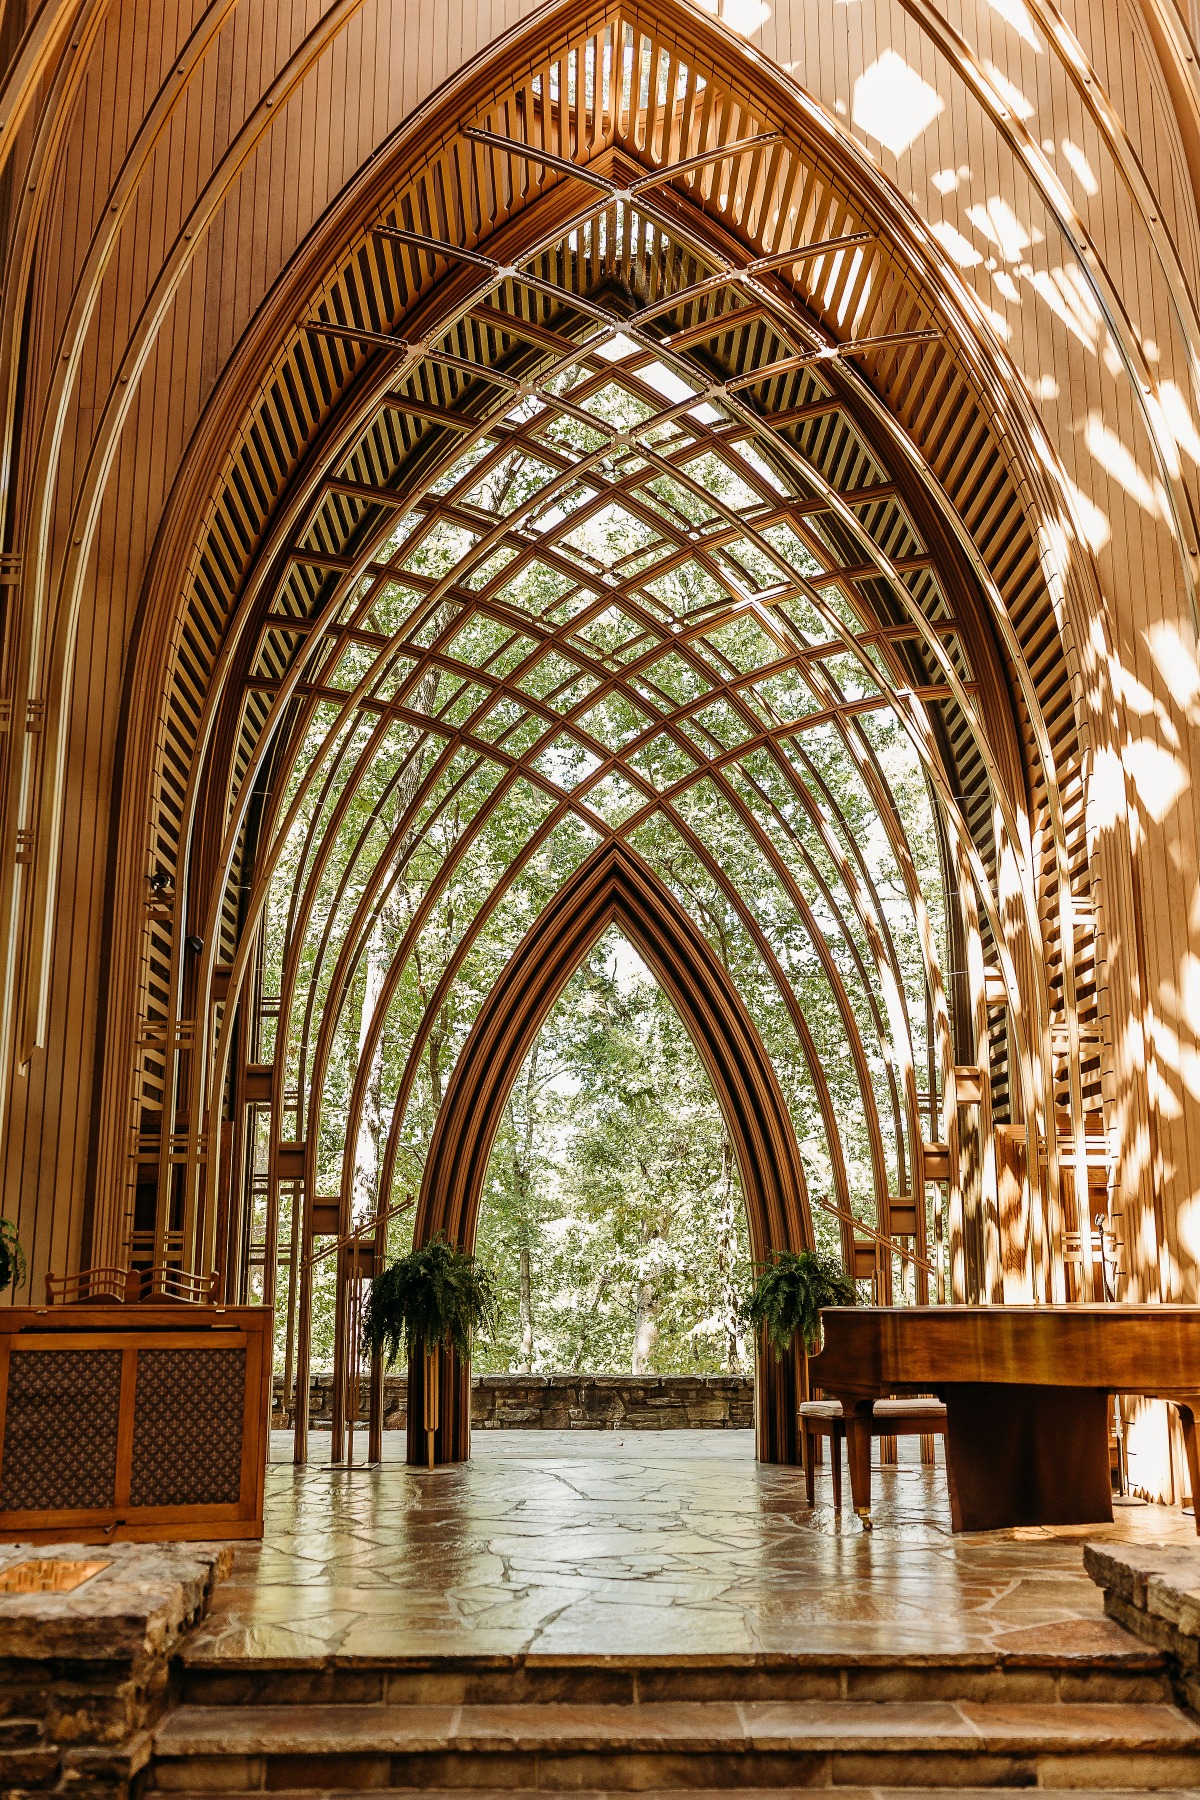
727, 1251
370, 1124
525, 1347
522, 1174
365, 1187
645, 1333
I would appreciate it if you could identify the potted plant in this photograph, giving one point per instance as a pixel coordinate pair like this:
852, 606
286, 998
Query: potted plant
12, 1257
433, 1296
789, 1292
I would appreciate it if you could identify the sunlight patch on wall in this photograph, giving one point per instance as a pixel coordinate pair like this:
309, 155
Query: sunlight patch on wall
1188, 999
1177, 416
893, 104
1012, 96
1116, 460
1013, 13
996, 320
999, 224
1092, 522
1106, 790
1080, 167
1163, 1097
1178, 1058
1065, 293
1136, 697
956, 245
1158, 777
1175, 658
1187, 1223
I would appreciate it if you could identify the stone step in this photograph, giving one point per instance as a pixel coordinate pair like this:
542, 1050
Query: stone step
656, 1745
1137, 1674
740, 1793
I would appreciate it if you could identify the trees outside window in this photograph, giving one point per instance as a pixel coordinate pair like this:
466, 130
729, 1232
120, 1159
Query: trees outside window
612, 1211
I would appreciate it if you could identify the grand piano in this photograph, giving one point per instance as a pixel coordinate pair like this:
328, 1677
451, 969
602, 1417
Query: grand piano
1027, 1392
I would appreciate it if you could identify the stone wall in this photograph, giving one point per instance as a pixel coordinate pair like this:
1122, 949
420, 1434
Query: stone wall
84, 1673
613, 1402
566, 1402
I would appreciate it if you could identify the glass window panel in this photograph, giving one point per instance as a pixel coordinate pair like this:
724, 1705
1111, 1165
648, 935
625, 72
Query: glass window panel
613, 721
687, 589
663, 761
442, 547
608, 536
723, 482
614, 798
392, 606
537, 587
744, 644
718, 722
484, 573
566, 761
672, 677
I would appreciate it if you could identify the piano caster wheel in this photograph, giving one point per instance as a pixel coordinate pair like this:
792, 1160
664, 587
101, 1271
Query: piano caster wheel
864, 1518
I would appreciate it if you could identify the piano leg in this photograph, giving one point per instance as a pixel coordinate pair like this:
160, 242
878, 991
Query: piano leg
858, 1456
1187, 1420
1026, 1455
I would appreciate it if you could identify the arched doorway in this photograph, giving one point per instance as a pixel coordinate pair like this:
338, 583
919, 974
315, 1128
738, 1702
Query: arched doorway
615, 886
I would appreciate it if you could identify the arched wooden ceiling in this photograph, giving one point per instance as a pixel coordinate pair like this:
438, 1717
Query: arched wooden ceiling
946, 419
625, 181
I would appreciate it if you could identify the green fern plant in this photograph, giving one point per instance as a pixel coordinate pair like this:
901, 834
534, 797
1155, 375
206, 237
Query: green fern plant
791, 1289
434, 1295
12, 1257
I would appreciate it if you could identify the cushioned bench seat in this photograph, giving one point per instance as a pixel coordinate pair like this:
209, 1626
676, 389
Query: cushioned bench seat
925, 1418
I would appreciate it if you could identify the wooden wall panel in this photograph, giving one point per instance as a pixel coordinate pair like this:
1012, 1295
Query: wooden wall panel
384, 63
953, 172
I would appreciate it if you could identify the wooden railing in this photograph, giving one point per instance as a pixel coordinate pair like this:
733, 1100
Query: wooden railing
131, 1287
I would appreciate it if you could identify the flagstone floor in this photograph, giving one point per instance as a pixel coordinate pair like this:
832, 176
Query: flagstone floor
654, 1543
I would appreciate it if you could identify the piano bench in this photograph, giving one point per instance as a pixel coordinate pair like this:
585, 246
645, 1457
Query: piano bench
921, 1418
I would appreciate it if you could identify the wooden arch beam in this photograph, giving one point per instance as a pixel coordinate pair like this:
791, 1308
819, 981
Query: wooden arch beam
614, 886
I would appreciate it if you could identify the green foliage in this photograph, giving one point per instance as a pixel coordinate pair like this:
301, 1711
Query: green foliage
12, 1257
612, 1209
434, 1295
789, 1293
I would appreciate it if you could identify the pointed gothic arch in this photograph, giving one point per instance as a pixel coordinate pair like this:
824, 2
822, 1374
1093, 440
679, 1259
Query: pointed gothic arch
615, 887
356, 425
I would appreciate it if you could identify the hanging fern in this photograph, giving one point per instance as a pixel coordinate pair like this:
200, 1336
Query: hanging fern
435, 1295
12, 1257
789, 1293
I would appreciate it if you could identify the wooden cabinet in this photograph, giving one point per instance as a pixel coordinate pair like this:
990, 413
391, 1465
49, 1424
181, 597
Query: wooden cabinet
135, 1422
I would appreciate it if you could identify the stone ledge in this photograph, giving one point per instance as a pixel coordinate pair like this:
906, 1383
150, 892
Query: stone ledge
146, 1597
1154, 1591
85, 1674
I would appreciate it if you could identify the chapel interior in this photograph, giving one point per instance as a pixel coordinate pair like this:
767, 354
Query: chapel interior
599, 896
